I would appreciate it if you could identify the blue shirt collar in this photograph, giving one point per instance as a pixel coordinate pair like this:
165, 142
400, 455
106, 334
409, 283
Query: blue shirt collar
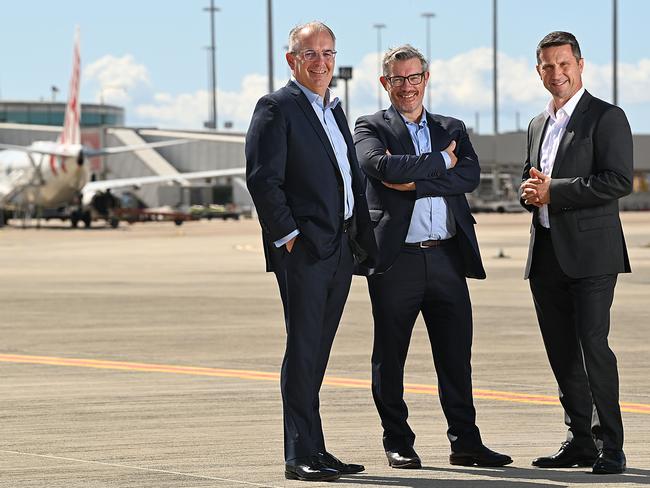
423, 119
327, 102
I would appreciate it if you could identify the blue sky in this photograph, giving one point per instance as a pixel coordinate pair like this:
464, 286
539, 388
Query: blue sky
150, 56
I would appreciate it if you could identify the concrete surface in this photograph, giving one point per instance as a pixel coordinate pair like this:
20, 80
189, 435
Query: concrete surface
147, 356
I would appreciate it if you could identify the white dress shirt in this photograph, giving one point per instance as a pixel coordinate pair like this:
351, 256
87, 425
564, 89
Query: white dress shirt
554, 132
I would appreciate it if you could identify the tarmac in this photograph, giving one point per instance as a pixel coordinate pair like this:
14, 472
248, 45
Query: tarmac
148, 356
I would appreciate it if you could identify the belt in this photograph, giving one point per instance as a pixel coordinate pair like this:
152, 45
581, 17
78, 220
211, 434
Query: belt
427, 244
347, 224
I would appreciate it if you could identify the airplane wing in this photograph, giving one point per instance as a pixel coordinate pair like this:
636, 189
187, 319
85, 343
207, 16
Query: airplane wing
90, 152
107, 151
35, 150
103, 185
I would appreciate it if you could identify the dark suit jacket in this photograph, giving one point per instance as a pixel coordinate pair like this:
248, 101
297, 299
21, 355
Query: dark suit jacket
391, 210
592, 170
295, 181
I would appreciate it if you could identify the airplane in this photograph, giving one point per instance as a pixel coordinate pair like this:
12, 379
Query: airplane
55, 174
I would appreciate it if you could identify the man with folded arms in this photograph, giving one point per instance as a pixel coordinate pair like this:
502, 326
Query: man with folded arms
419, 167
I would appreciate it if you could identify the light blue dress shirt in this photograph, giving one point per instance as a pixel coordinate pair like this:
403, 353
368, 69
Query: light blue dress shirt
324, 107
431, 219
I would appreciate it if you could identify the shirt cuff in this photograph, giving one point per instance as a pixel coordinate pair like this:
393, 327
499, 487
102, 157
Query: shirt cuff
281, 242
447, 158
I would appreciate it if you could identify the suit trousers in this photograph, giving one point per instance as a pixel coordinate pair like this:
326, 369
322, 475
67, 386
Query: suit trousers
313, 293
573, 315
431, 281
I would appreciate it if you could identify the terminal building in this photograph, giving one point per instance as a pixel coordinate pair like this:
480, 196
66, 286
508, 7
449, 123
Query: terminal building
52, 113
501, 157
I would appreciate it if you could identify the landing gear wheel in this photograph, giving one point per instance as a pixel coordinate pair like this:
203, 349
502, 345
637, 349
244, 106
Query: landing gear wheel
87, 218
74, 219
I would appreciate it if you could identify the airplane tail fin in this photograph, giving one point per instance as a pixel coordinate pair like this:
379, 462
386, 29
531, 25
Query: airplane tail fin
71, 133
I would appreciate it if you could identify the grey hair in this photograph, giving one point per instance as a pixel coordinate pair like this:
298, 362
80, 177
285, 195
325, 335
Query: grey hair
314, 26
559, 38
402, 53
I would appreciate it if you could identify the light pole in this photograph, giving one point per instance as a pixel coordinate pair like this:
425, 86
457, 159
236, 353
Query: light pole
379, 27
495, 95
428, 16
345, 74
269, 18
213, 68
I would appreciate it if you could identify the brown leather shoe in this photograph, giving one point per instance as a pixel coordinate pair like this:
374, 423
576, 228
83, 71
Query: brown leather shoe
568, 456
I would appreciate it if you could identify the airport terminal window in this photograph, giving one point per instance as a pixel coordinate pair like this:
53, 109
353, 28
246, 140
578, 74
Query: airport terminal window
91, 119
44, 118
18, 117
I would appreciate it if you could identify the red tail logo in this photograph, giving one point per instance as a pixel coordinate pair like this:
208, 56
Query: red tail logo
71, 132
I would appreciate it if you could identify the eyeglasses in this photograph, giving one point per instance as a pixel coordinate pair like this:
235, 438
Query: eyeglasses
311, 55
414, 79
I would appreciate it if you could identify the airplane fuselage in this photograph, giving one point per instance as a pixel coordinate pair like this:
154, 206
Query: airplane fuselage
45, 181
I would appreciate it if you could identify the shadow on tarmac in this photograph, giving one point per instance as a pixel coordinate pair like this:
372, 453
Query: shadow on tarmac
515, 478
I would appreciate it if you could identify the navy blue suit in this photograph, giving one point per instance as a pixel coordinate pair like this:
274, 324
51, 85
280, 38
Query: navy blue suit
293, 177
407, 281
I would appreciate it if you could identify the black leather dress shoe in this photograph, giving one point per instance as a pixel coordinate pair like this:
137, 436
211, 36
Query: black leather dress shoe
568, 456
479, 456
309, 469
331, 461
405, 458
609, 461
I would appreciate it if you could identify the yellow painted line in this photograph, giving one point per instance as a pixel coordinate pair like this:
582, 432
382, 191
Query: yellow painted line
506, 396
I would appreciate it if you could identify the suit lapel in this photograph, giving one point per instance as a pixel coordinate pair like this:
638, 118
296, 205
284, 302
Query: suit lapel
440, 138
539, 129
308, 110
342, 122
567, 138
398, 127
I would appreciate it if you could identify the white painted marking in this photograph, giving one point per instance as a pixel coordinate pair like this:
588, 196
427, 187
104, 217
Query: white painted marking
114, 465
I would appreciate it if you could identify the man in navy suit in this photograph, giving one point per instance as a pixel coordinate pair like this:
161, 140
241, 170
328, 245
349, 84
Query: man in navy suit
419, 167
304, 177
579, 164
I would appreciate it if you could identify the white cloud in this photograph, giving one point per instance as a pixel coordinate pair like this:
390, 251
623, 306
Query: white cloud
114, 80
460, 86
190, 110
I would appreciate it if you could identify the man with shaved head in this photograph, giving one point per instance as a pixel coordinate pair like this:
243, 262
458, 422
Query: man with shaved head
303, 175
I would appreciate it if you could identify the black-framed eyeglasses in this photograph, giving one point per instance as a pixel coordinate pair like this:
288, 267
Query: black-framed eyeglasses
414, 79
311, 55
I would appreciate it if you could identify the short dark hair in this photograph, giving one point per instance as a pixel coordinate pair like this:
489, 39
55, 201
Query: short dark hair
559, 38
402, 53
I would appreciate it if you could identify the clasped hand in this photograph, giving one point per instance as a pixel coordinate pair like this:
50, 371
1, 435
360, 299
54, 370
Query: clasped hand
536, 189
